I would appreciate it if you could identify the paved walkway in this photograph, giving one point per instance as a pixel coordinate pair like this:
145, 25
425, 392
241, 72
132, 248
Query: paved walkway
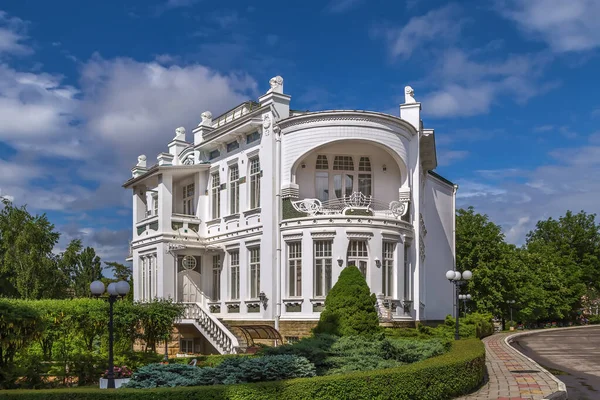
511, 375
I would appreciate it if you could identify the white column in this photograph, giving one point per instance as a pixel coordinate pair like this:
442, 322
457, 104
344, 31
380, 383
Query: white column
165, 199
375, 274
308, 273
166, 273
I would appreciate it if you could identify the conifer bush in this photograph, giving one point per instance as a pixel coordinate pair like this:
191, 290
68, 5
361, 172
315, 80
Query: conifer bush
349, 307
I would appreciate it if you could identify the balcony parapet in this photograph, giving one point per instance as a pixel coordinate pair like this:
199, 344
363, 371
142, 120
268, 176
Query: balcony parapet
355, 204
185, 223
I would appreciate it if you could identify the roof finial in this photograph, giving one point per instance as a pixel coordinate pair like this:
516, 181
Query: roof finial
409, 95
276, 84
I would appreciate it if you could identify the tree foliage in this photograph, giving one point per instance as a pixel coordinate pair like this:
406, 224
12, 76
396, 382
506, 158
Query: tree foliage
349, 307
547, 278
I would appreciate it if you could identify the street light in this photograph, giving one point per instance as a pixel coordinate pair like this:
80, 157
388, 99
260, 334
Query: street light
464, 298
510, 305
114, 289
458, 280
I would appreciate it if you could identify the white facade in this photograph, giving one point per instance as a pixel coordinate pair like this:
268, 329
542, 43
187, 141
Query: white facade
256, 217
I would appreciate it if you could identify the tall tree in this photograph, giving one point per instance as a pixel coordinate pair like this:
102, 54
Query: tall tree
82, 266
480, 248
120, 271
28, 268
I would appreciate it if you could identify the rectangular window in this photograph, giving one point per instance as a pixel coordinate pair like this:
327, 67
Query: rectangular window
155, 264
387, 266
358, 255
322, 162
254, 183
254, 272
233, 146
364, 184
295, 269
188, 200
150, 278
215, 195
186, 346
322, 185
234, 262
213, 154
406, 274
216, 282
155, 203
253, 137
234, 189
323, 267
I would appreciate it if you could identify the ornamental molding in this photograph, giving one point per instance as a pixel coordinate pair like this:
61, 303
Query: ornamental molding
294, 236
347, 116
318, 235
266, 124
293, 302
360, 235
392, 237
422, 227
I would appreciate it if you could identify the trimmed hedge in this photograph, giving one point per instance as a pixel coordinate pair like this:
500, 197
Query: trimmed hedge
455, 373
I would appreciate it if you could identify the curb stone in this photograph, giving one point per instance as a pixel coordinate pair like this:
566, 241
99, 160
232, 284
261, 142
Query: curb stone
561, 394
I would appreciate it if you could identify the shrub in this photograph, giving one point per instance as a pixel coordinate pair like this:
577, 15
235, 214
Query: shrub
230, 371
450, 375
315, 348
349, 307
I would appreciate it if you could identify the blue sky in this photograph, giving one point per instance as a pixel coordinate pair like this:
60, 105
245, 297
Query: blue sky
510, 87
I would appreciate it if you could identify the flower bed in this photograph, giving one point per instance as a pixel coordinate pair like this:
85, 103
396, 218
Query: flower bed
447, 376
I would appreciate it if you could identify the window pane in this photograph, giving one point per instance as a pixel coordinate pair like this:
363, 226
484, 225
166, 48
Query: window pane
364, 164
322, 185
343, 163
364, 184
349, 185
322, 162
337, 186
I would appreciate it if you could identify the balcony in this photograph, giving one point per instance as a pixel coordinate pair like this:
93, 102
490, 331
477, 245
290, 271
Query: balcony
183, 223
357, 204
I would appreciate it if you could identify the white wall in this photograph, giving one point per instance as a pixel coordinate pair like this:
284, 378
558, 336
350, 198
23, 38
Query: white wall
438, 215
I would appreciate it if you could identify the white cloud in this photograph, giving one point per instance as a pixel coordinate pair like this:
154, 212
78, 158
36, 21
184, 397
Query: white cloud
517, 199
447, 157
468, 86
442, 24
12, 35
565, 25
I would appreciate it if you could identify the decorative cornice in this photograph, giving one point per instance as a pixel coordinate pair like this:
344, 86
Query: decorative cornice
342, 115
294, 236
359, 235
330, 234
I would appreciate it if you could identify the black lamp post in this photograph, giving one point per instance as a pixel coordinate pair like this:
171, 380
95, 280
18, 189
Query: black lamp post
510, 305
114, 289
458, 280
464, 298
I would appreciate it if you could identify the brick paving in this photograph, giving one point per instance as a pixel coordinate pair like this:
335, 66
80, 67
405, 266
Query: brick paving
512, 376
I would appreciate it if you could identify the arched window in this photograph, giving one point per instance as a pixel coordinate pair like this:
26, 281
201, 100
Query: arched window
343, 178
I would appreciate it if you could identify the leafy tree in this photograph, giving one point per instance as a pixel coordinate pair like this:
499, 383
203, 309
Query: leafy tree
574, 239
480, 248
81, 266
349, 307
120, 271
20, 325
156, 320
28, 268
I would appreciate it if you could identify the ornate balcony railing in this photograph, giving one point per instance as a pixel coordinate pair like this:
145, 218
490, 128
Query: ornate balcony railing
355, 204
217, 334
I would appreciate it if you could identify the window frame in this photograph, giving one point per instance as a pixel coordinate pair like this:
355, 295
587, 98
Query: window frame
361, 173
324, 262
387, 268
188, 199
234, 189
216, 275
254, 172
358, 251
234, 274
294, 269
215, 195
254, 269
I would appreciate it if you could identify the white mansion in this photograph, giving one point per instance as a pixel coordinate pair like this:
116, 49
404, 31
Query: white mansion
252, 220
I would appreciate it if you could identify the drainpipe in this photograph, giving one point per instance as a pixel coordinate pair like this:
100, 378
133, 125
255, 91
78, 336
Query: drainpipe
277, 132
454, 235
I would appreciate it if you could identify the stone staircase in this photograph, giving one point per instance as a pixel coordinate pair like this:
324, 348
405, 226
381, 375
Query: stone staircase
218, 334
